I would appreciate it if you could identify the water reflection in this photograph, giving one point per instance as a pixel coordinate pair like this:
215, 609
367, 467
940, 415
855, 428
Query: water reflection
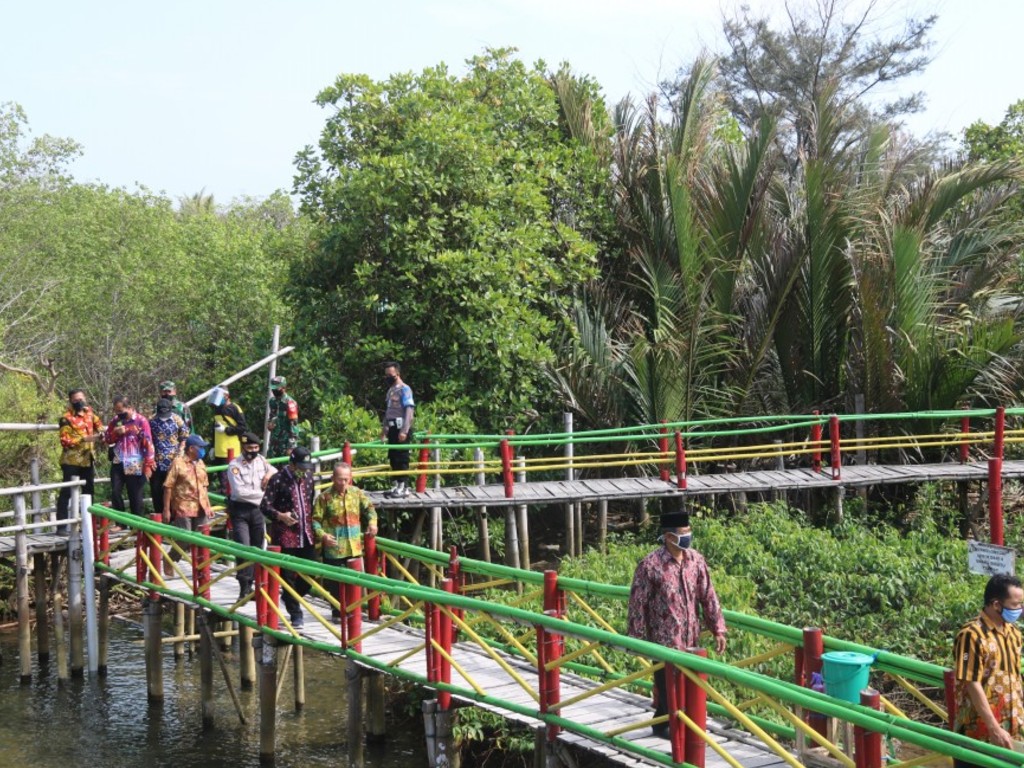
108, 723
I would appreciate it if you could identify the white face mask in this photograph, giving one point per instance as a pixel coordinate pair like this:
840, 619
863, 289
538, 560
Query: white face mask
681, 540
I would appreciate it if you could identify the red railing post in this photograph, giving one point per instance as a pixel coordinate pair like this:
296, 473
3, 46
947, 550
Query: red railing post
814, 646
995, 500
965, 445
554, 605
816, 443
156, 553
675, 700
141, 545
429, 635
870, 742
697, 710
949, 689
346, 453
680, 461
836, 455
505, 451
444, 626
353, 612
104, 548
371, 555
663, 447
273, 591
421, 479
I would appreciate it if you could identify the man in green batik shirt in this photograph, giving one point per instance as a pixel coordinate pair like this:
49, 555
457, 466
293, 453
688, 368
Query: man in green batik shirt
284, 418
338, 514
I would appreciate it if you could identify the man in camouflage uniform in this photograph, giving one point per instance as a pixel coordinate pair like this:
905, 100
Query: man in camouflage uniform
284, 418
169, 391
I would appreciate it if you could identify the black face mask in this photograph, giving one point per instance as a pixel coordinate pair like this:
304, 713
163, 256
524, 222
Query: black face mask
250, 455
79, 405
277, 392
123, 416
390, 380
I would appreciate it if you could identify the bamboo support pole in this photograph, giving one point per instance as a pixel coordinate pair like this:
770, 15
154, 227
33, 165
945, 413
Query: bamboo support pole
570, 516
246, 658
299, 677
152, 620
375, 705
206, 646
354, 681
483, 531
266, 651
59, 638
179, 632
522, 519
223, 670
75, 609
21, 586
602, 525
103, 626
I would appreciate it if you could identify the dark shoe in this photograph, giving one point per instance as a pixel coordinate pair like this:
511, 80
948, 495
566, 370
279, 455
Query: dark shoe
660, 731
244, 589
296, 619
335, 617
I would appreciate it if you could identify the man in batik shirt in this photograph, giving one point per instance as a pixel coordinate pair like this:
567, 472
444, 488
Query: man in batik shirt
133, 460
986, 663
288, 506
284, 418
668, 587
80, 430
169, 432
338, 514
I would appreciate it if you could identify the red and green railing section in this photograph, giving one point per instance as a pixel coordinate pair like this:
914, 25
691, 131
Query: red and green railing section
444, 613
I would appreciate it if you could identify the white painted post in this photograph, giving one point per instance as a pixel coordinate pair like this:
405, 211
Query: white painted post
92, 642
570, 513
37, 497
436, 529
21, 583
522, 515
483, 529
274, 347
75, 589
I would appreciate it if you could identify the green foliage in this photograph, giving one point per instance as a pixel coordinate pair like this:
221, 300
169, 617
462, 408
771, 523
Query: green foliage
21, 402
455, 217
865, 581
492, 739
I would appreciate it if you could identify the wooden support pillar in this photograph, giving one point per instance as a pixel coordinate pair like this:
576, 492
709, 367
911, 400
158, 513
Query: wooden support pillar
246, 658
266, 653
375, 704
179, 631
59, 637
76, 618
511, 538
103, 626
602, 525
354, 680
42, 625
299, 676
206, 642
21, 585
447, 753
483, 532
152, 620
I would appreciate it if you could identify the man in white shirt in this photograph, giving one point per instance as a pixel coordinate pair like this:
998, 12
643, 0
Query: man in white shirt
248, 475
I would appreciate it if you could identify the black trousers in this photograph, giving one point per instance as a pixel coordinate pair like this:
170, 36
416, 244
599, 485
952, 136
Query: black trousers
339, 561
247, 527
299, 584
661, 705
156, 489
68, 471
398, 459
134, 484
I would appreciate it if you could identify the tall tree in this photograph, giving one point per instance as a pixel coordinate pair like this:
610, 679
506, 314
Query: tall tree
456, 215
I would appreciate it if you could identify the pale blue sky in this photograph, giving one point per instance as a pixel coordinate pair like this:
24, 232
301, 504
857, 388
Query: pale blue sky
217, 95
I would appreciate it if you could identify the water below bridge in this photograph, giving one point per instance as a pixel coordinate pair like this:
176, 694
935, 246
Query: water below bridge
107, 722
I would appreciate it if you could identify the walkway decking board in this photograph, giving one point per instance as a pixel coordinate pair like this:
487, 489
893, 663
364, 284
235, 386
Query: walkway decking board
597, 489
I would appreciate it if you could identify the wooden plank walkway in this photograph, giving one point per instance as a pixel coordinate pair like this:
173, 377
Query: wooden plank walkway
37, 542
571, 491
605, 712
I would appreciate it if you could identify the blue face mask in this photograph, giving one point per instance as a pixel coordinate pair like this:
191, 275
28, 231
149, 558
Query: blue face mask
1012, 614
200, 452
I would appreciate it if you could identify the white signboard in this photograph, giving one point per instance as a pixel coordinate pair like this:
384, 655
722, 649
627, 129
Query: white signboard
990, 559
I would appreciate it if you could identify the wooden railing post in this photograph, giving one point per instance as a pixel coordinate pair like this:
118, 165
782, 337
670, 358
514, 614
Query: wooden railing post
273, 591
1000, 430
260, 585
680, 461
551, 679
868, 752
995, 500
697, 711
421, 479
949, 689
346, 453
458, 579
965, 445
675, 701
